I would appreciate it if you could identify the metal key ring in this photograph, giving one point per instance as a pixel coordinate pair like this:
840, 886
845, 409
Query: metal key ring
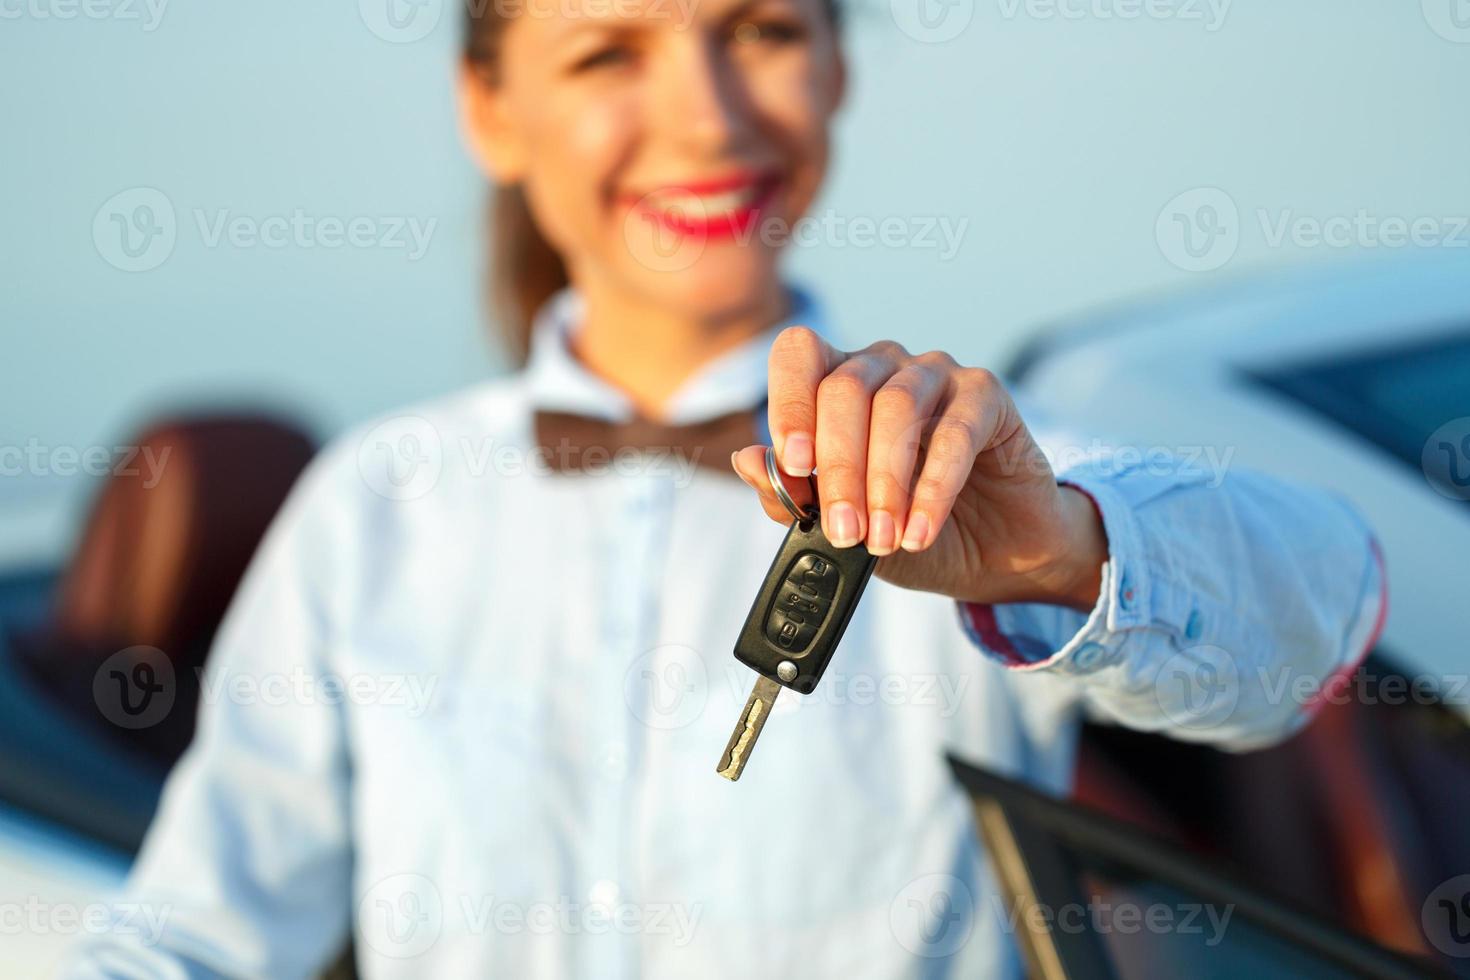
773, 473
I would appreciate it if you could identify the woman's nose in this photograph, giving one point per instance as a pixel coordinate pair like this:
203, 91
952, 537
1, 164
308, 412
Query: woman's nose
703, 104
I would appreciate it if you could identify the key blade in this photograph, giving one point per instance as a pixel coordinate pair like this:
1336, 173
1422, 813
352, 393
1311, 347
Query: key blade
748, 727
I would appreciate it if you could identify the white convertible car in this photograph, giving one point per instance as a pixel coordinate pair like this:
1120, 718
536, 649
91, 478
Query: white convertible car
1355, 378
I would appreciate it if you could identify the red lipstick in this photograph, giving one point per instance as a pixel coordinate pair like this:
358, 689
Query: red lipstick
713, 209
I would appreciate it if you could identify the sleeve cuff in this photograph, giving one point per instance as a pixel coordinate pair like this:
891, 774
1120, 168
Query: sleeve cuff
1040, 637
1367, 630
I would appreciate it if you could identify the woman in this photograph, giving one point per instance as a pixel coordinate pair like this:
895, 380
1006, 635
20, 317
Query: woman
511, 634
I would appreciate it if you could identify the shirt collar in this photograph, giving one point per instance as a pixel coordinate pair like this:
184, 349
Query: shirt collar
733, 381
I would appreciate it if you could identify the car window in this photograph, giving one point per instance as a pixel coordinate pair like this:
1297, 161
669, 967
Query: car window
1399, 398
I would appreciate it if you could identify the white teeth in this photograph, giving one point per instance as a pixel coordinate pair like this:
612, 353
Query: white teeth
701, 205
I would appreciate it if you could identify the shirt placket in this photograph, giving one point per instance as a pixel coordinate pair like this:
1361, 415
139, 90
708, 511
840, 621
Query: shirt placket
630, 622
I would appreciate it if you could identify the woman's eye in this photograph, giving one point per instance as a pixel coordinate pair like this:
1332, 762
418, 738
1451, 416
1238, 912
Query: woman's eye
767, 31
608, 57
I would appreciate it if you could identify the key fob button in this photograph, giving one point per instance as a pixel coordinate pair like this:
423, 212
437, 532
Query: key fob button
803, 607
802, 603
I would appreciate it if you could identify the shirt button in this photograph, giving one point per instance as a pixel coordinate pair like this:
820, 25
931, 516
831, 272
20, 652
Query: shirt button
1089, 657
604, 892
1126, 595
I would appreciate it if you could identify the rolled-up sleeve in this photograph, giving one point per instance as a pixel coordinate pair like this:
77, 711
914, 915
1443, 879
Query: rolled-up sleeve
1231, 602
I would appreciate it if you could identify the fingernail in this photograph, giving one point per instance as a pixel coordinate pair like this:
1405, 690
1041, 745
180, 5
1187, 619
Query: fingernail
797, 459
918, 530
741, 473
880, 532
842, 525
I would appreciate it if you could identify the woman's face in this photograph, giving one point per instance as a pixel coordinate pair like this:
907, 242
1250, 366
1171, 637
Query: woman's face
666, 147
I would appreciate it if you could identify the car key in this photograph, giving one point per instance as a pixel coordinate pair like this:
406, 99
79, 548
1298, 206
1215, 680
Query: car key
796, 621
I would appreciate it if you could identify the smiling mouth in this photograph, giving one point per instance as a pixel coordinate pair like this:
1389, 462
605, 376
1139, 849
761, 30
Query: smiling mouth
710, 209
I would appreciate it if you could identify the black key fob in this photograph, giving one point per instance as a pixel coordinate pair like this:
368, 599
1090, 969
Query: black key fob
803, 607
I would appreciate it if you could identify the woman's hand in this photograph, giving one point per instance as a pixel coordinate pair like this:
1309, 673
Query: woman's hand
930, 465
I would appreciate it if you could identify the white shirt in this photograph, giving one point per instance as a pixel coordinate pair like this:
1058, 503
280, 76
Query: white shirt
514, 774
